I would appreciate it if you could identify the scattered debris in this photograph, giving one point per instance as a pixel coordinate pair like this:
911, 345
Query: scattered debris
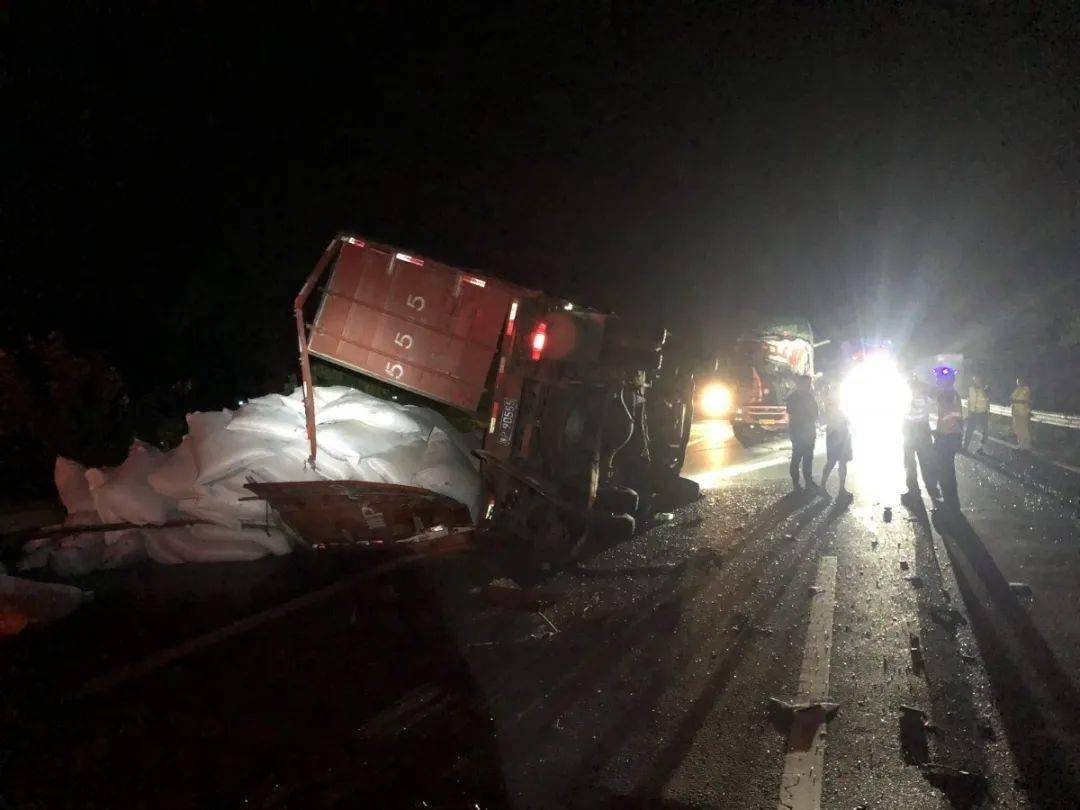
948, 617
1021, 589
915, 580
505, 593
904, 565
887, 514
873, 543
917, 663
665, 517
971, 659
792, 707
961, 786
986, 728
913, 741
763, 629
814, 590
789, 538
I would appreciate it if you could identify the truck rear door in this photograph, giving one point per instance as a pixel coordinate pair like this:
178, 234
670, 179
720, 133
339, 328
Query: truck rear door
411, 321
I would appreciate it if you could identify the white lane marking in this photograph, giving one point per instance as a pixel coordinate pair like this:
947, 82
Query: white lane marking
712, 478
804, 762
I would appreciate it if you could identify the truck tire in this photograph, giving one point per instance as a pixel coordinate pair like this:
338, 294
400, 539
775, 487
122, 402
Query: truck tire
616, 499
745, 435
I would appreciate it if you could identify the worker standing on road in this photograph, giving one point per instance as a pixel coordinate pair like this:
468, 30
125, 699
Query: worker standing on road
837, 443
919, 444
1021, 414
978, 415
802, 425
948, 437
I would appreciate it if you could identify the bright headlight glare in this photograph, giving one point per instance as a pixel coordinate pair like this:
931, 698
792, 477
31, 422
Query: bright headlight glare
716, 400
874, 392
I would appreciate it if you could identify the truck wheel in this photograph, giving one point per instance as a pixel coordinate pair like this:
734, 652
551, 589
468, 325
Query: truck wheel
614, 529
620, 500
745, 435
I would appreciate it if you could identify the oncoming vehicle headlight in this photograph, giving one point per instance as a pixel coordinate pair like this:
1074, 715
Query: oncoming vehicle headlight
716, 401
875, 393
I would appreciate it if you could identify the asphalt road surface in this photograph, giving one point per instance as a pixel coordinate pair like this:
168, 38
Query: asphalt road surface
660, 673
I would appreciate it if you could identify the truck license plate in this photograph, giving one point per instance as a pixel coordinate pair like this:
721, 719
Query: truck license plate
507, 417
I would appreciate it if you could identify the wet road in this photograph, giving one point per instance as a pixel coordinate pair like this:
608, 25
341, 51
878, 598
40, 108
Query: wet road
644, 675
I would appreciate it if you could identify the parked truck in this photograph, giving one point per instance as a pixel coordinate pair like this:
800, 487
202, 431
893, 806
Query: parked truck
586, 425
764, 363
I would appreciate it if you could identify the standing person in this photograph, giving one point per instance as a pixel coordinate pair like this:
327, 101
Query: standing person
802, 426
947, 440
837, 443
978, 415
919, 444
1021, 414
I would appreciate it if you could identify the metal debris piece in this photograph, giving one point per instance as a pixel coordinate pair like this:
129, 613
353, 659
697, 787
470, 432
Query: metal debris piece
948, 617
814, 590
1021, 589
506, 593
792, 707
789, 537
763, 629
914, 744
917, 663
665, 517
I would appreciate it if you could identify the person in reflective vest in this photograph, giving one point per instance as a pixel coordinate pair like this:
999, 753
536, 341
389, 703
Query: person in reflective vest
1021, 414
978, 412
947, 440
918, 443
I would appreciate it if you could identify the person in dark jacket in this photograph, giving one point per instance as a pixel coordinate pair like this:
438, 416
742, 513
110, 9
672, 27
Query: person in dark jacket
919, 444
802, 425
837, 443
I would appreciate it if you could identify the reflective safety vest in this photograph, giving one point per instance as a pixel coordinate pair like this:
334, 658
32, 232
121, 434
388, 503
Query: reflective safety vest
1021, 401
978, 400
950, 418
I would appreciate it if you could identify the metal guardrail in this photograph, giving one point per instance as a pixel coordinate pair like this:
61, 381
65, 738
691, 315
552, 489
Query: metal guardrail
1064, 420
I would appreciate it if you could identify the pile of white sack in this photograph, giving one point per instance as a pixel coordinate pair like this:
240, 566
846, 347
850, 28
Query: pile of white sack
360, 438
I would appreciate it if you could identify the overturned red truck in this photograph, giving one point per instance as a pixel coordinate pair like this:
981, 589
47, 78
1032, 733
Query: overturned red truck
586, 426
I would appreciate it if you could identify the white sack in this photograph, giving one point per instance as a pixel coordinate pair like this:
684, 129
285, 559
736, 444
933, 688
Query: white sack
355, 440
457, 481
220, 453
123, 548
273, 541
269, 418
71, 485
77, 555
176, 476
124, 495
181, 545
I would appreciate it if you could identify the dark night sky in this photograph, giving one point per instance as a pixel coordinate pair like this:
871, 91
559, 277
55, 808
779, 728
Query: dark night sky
174, 169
